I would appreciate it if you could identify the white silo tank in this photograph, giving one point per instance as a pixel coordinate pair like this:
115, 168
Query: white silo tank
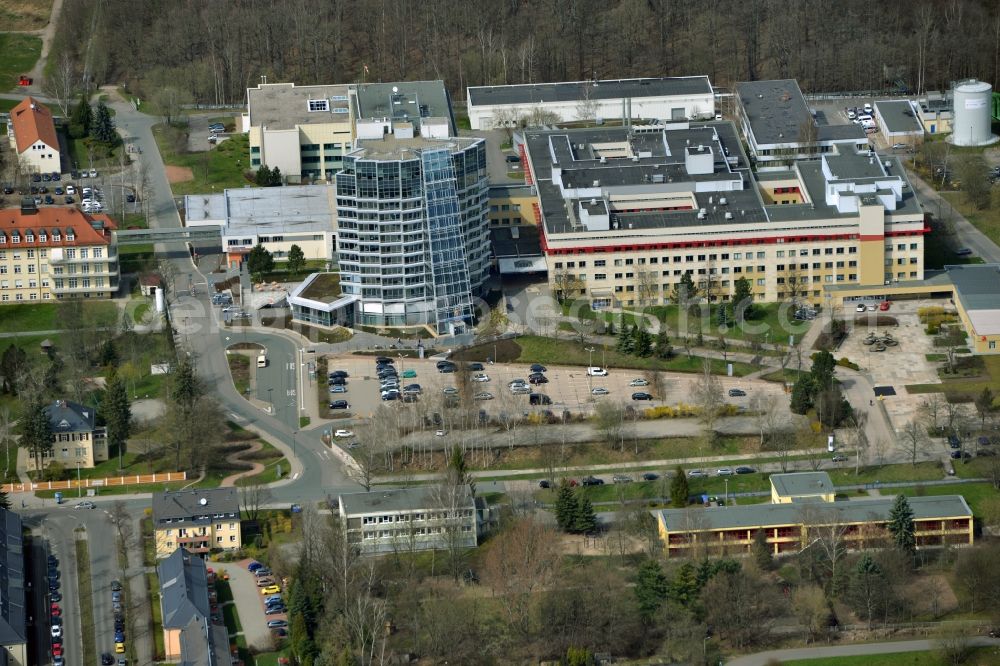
971, 122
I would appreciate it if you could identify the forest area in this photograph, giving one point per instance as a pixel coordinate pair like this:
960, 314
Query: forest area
210, 52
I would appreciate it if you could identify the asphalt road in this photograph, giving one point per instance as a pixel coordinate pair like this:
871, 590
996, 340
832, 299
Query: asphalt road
55, 535
854, 650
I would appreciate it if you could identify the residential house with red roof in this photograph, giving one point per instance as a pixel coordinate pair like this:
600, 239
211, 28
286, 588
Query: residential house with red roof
32, 135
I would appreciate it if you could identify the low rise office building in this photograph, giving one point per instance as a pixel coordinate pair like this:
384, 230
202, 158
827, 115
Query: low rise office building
625, 213
199, 521
668, 98
77, 440
899, 121
806, 511
410, 519
190, 636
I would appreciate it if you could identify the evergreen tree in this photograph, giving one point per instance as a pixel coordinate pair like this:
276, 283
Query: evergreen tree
566, 505
579, 657
651, 588
4, 500
103, 126
347, 658
626, 339
117, 415
263, 176
684, 587
761, 551
802, 395
742, 300
296, 259
685, 293
186, 388
664, 349
643, 343
585, 520
81, 119
822, 370
109, 355
275, 178
458, 472
12, 363
36, 431
723, 315
901, 525
259, 261
679, 490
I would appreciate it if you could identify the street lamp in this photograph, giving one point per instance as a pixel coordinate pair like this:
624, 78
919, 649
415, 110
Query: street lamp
269, 400
590, 364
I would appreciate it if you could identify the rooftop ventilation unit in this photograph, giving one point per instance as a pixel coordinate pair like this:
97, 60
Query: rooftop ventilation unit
701, 214
604, 160
597, 183
729, 216
888, 164
722, 201
635, 158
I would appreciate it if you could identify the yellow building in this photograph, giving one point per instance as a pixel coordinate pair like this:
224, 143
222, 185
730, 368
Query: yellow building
304, 131
77, 440
512, 205
977, 299
199, 521
32, 134
801, 486
627, 213
56, 252
799, 517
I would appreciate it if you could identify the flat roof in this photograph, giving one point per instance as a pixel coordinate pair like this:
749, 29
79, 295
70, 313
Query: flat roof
527, 244
181, 505
405, 100
322, 287
392, 148
283, 106
776, 111
574, 91
976, 288
847, 512
898, 116
400, 499
13, 612
798, 484
266, 210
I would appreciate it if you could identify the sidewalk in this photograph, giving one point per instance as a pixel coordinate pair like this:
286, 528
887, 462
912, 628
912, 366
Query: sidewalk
858, 650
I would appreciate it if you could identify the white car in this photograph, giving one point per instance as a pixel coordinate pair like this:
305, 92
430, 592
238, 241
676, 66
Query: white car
599, 390
440, 433
93, 173
343, 433
56, 631
481, 378
595, 371
86, 504
860, 308
638, 382
70, 189
872, 307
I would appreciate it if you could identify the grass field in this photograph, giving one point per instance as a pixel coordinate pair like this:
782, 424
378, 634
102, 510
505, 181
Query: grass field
239, 368
153, 587
766, 321
987, 221
24, 15
977, 495
271, 458
213, 170
45, 316
18, 54
967, 388
980, 657
553, 351
136, 258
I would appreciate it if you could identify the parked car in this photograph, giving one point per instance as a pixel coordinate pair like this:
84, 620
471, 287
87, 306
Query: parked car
592, 481
840, 457
638, 381
883, 306
621, 478
448, 368
481, 378
475, 367
650, 476
641, 395
277, 610
695, 474
737, 393
743, 469
339, 404
538, 367
273, 624
544, 483
343, 433
338, 388
86, 504
483, 395
860, 307
254, 566
595, 371
724, 471
953, 442
599, 390
107, 659
271, 589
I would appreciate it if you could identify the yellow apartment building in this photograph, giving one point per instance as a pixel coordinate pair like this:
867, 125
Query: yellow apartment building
77, 440
199, 521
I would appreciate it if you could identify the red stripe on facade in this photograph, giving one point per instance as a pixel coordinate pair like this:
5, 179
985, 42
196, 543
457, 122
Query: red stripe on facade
871, 237
528, 180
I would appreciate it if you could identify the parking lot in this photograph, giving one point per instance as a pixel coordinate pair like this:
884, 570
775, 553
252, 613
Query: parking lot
568, 387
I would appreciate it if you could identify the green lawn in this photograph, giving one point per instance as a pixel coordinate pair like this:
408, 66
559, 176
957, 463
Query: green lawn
18, 54
86, 597
153, 586
7, 104
929, 658
987, 221
786, 376
136, 258
44, 316
766, 321
271, 458
976, 494
925, 471
552, 351
212, 170
232, 619
965, 389
134, 221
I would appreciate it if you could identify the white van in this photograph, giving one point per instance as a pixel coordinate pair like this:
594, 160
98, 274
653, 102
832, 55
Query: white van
595, 371
262, 360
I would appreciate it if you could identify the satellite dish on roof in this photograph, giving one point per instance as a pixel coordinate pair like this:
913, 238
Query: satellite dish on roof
203, 501
395, 89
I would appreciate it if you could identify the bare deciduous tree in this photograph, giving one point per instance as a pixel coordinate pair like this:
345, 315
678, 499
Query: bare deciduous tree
62, 84
707, 396
913, 440
253, 495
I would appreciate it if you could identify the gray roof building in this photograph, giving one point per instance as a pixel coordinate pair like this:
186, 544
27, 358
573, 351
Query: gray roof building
282, 106
801, 484
195, 507
13, 618
774, 115
572, 91
67, 416
976, 288
898, 118
184, 601
405, 101
399, 499
265, 210
774, 515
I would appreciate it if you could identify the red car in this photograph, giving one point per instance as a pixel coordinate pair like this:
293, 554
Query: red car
56, 610
883, 306
57, 650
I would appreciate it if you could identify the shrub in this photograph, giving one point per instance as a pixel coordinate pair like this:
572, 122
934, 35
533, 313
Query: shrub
816, 426
846, 363
931, 310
